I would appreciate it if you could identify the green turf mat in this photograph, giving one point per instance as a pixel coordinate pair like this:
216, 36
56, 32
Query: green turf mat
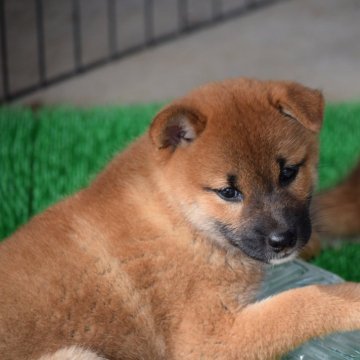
51, 153
340, 142
72, 145
16, 152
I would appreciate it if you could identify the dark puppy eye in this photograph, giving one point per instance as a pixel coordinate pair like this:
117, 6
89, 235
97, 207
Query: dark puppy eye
230, 194
288, 174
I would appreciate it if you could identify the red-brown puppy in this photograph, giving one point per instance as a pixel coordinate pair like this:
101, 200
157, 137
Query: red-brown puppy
161, 257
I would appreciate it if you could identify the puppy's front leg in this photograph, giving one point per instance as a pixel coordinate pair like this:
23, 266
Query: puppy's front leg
276, 325
272, 327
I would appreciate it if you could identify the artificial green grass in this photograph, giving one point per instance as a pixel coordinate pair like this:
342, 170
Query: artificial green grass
53, 152
16, 132
340, 143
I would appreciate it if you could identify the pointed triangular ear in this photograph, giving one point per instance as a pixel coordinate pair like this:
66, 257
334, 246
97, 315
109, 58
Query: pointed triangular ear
300, 103
176, 125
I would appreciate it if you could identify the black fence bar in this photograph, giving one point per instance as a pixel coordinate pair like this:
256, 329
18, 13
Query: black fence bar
151, 38
40, 41
216, 7
4, 53
183, 10
149, 21
112, 27
76, 23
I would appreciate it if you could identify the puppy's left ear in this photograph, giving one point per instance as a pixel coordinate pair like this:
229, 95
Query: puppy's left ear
300, 103
176, 125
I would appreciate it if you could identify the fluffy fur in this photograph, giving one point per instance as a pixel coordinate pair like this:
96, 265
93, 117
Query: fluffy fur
152, 262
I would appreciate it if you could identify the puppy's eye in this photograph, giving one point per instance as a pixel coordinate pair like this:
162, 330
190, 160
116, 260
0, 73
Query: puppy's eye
230, 194
288, 174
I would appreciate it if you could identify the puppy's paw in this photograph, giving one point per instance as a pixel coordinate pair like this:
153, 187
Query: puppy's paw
346, 298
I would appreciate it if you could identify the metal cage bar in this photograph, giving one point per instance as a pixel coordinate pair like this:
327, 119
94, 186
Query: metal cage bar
183, 15
112, 27
149, 21
76, 25
4, 53
40, 41
216, 6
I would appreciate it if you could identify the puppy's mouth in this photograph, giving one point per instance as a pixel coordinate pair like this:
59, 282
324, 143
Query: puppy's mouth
261, 249
285, 257
265, 254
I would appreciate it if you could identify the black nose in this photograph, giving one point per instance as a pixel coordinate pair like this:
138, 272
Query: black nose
280, 241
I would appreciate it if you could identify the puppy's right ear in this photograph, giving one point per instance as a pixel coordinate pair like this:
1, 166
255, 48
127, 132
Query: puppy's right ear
177, 125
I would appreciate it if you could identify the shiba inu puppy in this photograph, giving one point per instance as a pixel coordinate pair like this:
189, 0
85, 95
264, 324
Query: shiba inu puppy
162, 256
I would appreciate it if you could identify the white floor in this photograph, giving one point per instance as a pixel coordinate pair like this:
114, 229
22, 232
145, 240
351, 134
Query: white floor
316, 42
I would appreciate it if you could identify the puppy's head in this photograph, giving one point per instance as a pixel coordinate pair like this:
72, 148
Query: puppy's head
238, 158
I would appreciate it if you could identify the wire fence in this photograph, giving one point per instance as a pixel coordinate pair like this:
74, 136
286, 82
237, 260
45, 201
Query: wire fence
44, 42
